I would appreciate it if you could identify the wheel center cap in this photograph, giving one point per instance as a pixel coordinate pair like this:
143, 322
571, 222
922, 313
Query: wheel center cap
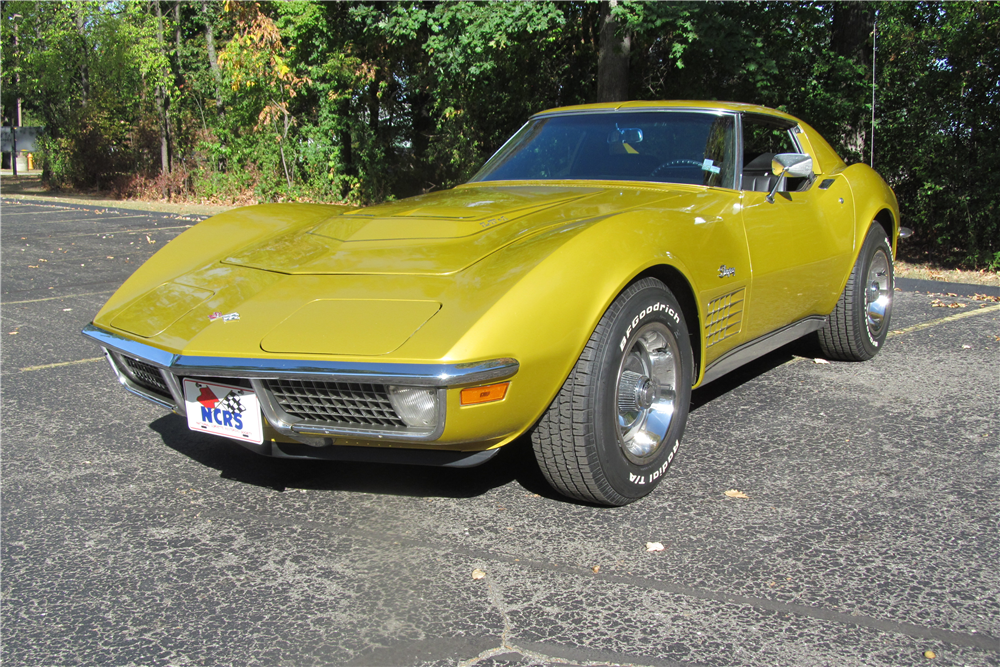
646, 393
873, 292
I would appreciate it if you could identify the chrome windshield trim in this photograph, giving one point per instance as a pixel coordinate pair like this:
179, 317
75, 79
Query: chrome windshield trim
426, 375
619, 110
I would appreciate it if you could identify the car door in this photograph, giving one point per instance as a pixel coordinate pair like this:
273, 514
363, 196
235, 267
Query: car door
799, 243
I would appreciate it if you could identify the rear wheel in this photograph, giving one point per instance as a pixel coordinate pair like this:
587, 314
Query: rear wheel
614, 428
857, 327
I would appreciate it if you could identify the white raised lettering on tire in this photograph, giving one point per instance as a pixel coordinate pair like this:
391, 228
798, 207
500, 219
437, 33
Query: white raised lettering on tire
656, 307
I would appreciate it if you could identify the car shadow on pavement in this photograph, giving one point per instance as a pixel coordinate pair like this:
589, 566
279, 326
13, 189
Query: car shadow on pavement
804, 347
514, 463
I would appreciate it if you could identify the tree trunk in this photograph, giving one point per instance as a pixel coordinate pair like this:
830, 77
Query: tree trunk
612, 60
177, 30
13, 146
213, 61
850, 35
162, 101
853, 21
84, 68
281, 148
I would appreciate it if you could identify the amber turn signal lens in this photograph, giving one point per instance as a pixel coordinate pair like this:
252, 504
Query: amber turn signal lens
493, 392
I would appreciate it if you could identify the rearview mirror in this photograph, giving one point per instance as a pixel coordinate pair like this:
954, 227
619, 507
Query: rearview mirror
792, 165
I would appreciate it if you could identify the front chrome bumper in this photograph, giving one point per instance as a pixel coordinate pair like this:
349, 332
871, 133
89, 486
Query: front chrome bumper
257, 371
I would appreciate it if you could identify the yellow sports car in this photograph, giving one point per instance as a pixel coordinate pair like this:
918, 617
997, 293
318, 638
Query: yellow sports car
605, 261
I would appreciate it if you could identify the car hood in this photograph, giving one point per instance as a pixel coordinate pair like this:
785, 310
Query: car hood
389, 270
436, 234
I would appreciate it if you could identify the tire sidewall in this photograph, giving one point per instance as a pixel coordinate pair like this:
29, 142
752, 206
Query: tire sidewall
874, 241
652, 302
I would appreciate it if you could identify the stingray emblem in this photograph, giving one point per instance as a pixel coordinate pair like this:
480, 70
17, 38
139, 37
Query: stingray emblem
726, 271
225, 318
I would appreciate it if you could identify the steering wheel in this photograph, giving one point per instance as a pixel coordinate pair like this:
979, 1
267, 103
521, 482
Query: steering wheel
675, 163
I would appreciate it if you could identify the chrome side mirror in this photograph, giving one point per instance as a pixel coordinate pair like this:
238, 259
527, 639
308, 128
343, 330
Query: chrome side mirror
792, 165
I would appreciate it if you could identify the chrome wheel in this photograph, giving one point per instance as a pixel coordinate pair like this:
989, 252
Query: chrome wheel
646, 392
878, 293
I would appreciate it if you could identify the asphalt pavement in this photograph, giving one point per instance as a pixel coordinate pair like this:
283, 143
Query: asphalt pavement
868, 534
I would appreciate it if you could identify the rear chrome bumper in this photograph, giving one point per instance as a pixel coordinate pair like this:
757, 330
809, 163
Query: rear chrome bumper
122, 353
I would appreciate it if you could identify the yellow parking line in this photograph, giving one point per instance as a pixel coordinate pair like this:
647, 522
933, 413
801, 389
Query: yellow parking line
62, 363
922, 325
943, 320
103, 218
54, 298
125, 231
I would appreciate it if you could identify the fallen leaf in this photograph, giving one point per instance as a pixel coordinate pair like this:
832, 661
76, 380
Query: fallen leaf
733, 493
596, 569
654, 546
820, 361
478, 574
930, 655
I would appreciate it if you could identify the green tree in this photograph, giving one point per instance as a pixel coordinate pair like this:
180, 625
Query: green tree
938, 121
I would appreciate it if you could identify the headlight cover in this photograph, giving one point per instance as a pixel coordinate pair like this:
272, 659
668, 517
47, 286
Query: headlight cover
417, 406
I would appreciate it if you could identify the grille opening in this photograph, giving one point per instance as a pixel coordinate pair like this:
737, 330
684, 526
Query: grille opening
336, 402
145, 375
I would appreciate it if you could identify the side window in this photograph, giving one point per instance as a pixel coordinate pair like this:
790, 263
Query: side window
762, 140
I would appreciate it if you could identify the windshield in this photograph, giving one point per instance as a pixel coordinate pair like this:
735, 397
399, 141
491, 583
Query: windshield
663, 146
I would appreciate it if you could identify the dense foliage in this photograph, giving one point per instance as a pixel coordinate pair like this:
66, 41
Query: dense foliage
241, 101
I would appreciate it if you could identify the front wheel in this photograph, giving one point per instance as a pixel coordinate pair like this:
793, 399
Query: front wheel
616, 424
857, 327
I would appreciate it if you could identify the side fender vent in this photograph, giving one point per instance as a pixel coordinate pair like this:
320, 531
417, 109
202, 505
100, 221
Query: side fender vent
724, 317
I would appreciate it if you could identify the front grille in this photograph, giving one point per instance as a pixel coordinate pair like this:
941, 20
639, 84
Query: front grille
336, 402
145, 375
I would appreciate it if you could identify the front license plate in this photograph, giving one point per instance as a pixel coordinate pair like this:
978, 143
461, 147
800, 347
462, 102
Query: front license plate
233, 412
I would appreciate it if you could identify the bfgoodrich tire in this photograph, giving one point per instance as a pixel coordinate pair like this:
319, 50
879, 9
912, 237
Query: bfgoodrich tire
857, 327
614, 428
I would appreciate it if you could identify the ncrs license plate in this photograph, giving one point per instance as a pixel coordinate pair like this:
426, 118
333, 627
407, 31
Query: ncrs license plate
221, 409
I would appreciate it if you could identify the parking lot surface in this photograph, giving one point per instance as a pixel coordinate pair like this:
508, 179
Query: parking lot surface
868, 534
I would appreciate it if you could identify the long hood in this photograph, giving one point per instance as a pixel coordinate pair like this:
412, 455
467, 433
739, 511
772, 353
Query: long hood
436, 234
306, 279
